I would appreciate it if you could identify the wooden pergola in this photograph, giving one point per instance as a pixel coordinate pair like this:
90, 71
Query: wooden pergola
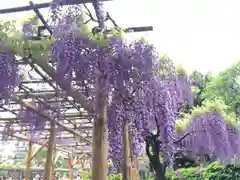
75, 125
72, 126
69, 131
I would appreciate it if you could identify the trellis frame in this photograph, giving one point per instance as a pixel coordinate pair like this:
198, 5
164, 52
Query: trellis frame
77, 126
79, 122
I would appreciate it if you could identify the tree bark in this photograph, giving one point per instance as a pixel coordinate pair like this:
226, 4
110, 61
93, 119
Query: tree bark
154, 159
100, 135
160, 174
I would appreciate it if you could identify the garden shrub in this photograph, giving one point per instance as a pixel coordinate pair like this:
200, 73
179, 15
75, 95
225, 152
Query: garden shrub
88, 176
186, 174
115, 177
214, 171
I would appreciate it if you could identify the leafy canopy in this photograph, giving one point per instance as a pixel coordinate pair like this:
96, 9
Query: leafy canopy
225, 87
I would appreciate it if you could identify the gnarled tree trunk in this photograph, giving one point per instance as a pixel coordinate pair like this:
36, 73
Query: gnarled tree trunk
100, 135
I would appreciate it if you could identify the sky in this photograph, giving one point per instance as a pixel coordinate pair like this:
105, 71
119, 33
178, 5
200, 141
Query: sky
197, 34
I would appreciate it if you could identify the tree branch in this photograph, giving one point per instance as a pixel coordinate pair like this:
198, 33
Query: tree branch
158, 128
89, 14
183, 137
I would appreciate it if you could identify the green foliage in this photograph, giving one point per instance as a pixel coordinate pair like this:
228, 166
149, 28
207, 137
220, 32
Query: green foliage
214, 171
61, 163
186, 174
181, 70
202, 79
115, 177
88, 176
40, 158
12, 37
225, 86
208, 106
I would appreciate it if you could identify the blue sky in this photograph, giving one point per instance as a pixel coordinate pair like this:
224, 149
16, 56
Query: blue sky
199, 34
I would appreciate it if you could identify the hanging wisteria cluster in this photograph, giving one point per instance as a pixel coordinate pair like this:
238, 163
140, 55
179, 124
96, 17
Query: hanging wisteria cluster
9, 76
137, 95
142, 88
65, 20
129, 72
220, 138
124, 68
184, 89
32, 119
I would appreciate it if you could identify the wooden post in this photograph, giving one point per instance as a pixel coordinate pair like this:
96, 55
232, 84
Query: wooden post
53, 165
83, 167
134, 166
136, 169
51, 145
100, 134
70, 167
127, 157
131, 157
83, 164
28, 163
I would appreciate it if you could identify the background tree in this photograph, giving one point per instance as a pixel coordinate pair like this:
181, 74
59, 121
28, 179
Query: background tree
224, 86
199, 83
40, 158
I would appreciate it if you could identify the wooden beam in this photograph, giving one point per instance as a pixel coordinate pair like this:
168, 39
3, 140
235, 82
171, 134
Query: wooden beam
76, 95
44, 115
37, 151
76, 116
43, 5
48, 94
138, 29
24, 138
